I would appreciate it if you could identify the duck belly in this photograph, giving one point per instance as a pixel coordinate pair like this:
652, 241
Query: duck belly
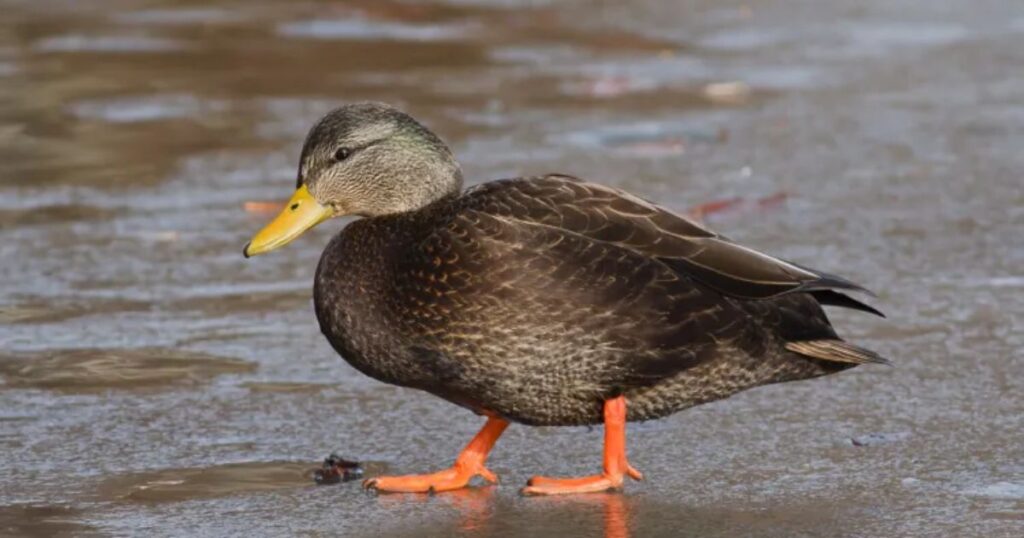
731, 371
557, 395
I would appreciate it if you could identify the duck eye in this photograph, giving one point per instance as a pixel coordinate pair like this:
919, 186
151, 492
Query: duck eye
342, 154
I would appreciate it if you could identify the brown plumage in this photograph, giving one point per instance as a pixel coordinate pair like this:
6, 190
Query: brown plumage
539, 298
543, 300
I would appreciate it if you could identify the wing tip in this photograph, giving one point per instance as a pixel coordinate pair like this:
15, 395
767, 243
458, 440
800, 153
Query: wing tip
827, 281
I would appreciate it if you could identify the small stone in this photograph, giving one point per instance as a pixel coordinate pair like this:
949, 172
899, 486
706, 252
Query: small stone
336, 469
873, 439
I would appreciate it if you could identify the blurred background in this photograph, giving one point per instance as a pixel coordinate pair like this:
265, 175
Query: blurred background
154, 381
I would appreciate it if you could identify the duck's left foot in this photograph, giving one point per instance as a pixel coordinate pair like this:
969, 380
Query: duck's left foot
470, 463
456, 477
616, 468
336, 469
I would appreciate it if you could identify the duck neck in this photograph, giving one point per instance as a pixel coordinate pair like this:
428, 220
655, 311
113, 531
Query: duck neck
441, 185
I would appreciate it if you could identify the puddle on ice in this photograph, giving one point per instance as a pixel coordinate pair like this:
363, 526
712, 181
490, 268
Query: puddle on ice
98, 369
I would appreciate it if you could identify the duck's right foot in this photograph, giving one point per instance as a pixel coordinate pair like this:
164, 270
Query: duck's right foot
616, 467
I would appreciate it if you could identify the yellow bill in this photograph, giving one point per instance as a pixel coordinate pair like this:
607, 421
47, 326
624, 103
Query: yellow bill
302, 213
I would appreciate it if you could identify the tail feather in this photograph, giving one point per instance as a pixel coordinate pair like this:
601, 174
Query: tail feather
834, 298
836, 351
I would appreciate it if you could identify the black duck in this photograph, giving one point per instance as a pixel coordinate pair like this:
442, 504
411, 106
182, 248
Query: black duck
540, 300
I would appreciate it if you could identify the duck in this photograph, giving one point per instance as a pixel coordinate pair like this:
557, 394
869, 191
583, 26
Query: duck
541, 301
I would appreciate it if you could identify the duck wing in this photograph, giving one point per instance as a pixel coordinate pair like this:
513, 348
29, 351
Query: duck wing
516, 291
613, 216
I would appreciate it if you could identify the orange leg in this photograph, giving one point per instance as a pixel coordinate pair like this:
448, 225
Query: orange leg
615, 464
470, 463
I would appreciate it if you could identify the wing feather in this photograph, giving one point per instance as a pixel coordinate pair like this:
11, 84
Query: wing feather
531, 279
609, 215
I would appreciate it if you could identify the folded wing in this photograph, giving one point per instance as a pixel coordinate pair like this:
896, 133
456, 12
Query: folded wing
609, 215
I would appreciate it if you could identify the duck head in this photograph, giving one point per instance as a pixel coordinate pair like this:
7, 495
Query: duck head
365, 159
